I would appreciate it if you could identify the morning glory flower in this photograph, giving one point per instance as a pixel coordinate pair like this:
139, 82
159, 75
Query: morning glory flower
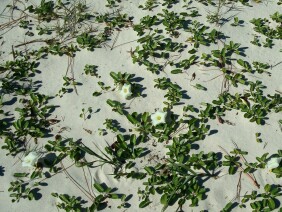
30, 160
126, 91
273, 163
158, 117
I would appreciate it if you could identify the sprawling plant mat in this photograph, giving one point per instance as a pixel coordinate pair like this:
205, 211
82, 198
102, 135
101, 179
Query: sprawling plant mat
141, 105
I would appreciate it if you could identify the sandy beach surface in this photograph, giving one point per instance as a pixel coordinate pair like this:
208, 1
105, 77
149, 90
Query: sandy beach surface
226, 131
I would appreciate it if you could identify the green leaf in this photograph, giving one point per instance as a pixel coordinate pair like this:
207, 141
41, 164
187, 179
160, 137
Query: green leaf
99, 187
176, 71
131, 119
271, 204
200, 87
145, 116
96, 93
227, 207
241, 62
34, 174
54, 194
21, 174
114, 75
192, 51
150, 170
111, 103
232, 170
277, 170
114, 196
164, 199
64, 197
144, 203
30, 196
120, 138
133, 139
267, 187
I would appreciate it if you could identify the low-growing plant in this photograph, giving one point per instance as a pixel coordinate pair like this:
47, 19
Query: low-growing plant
69, 203
86, 114
263, 201
91, 70
237, 22
176, 180
172, 22
268, 43
149, 5
177, 174
68, 81
256, 41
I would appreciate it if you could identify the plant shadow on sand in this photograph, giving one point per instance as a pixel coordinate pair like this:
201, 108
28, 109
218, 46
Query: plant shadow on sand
2, 170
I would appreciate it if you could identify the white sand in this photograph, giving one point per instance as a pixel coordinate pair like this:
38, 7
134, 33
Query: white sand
221, 190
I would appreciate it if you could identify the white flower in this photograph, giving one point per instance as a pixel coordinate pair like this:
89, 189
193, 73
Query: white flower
30, 160
273, 163
158, 117
126, 91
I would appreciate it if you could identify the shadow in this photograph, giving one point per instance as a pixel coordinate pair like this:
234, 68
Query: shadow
6, 123
262, 121
137, 79
98, 110
116, 124
36, 85
102, 206
186, 24
36, 194
195, 146
172, 117
47, 175
2, 170
277, 203
184, 95
11, 86
46, 161
49, 156
47, 133
69, 90
52, 109
189, 8
137, 90
43, 184
212, 132
127, 205
222, 36
223, 21
10, 102
241, 22
128, 197
219, 155
179, 103
44, 56
144, 153
242, 51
